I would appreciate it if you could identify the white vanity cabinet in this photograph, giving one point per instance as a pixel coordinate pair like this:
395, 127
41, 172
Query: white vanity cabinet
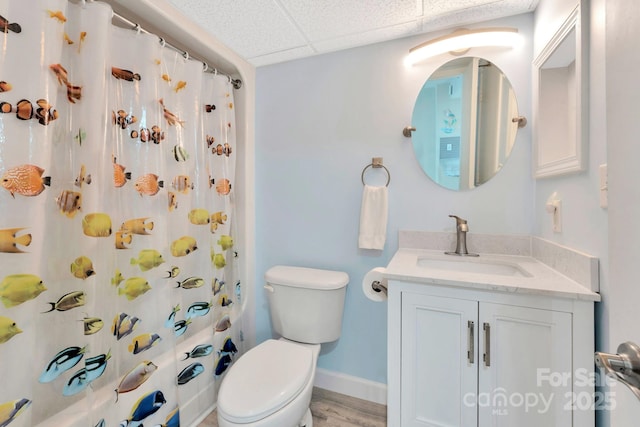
475, 357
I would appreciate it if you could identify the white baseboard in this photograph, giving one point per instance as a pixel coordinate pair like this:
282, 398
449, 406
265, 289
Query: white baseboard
351, 386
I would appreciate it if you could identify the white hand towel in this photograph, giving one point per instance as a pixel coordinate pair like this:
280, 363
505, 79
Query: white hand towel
373, 218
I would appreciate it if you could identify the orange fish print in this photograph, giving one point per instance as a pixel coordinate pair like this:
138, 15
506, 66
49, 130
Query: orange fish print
73, 93
83, 36
182, 183
172, 119
45, 113
82, 177
119, 73
26, 180
123, 238
60, 73
166, 78
5, 87
223, 187
120, 177
6, 26
209, 107
180, 85
57, 15
67, 38
148, 184
9, 241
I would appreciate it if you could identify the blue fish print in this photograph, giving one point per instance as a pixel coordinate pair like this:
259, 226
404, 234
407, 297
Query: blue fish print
229, 346
201, 350
171, 320
222, 364
94, 367
190, 372
180, 327
238, 291
147, 405
101, 423
62, 362
198, 309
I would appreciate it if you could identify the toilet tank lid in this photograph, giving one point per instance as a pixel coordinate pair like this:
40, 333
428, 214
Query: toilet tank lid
305, 277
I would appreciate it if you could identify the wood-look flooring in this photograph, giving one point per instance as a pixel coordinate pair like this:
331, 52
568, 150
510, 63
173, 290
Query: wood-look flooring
331, 409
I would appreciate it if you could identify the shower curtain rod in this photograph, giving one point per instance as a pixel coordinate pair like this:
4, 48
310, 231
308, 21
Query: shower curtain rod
237, 83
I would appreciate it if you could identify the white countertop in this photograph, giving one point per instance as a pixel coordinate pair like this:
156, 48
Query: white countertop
543, 280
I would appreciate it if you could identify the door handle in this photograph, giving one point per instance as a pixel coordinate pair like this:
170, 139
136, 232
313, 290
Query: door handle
487, 344
471, 342
623, 366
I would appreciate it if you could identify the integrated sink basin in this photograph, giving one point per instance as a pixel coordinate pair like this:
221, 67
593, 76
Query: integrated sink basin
474, 266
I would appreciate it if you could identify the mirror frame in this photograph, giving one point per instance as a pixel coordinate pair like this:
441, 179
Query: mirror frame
572, 139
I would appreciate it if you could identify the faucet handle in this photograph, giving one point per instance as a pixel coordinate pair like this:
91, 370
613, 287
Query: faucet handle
459, 221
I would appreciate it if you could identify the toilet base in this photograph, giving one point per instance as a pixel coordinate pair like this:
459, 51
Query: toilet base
307, 420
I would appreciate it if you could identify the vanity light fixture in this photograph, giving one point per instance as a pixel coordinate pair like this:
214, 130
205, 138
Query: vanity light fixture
460, 41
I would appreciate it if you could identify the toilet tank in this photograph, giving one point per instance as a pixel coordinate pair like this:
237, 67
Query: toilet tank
306, 304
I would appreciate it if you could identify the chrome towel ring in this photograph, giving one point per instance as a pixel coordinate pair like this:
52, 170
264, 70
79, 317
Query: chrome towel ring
376, 163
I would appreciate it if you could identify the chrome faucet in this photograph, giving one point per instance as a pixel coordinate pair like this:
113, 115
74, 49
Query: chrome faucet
461, 238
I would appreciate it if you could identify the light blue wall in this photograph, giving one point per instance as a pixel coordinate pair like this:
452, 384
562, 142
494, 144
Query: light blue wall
319, 122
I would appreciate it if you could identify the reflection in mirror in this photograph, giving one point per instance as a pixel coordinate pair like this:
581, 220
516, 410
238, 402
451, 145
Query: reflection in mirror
463, 119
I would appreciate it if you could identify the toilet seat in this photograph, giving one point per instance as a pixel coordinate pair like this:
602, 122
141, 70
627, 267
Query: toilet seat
284, 369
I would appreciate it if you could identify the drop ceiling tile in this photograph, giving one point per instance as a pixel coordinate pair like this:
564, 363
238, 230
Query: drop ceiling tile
282, 56
368, 37
321, 20
249, 27
474, 14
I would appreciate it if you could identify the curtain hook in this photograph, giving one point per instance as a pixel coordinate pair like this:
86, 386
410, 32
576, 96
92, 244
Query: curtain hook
205, 67
186, 55
137, 28
162, 42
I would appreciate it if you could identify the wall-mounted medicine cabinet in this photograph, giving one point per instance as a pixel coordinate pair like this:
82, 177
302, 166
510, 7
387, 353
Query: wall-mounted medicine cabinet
561, 96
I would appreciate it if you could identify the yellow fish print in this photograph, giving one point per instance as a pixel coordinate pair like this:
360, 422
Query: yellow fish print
117, 278
143, 342
173, 272
166, 78
225, 242
67, 302
123, 238
26, 180
199, 216
182, 183
137, 226
9, 241
148, 259
180, 85
82, 267
134, 287
148, 184
69, 202
9, 411
123, 325
218, 260
83, 36
183, 246
92, 325
67, 38
96, 225
18, 288
8, 329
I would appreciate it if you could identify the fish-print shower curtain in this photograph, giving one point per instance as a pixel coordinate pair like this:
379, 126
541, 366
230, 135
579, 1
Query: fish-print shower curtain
119, 294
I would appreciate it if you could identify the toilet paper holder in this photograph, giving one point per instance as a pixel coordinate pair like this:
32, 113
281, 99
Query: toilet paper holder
623, 366
378, 286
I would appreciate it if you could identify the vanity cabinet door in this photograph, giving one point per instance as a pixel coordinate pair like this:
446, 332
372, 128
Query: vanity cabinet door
438, 361
527, 379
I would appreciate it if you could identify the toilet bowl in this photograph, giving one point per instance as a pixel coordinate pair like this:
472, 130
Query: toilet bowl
271, 384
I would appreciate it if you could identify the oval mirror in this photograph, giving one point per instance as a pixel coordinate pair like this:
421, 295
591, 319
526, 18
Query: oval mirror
466, 120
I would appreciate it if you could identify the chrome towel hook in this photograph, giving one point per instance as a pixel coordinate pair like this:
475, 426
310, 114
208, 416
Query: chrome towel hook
376, 163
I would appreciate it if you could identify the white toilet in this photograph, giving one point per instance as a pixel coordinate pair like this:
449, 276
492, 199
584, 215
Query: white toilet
270, 385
